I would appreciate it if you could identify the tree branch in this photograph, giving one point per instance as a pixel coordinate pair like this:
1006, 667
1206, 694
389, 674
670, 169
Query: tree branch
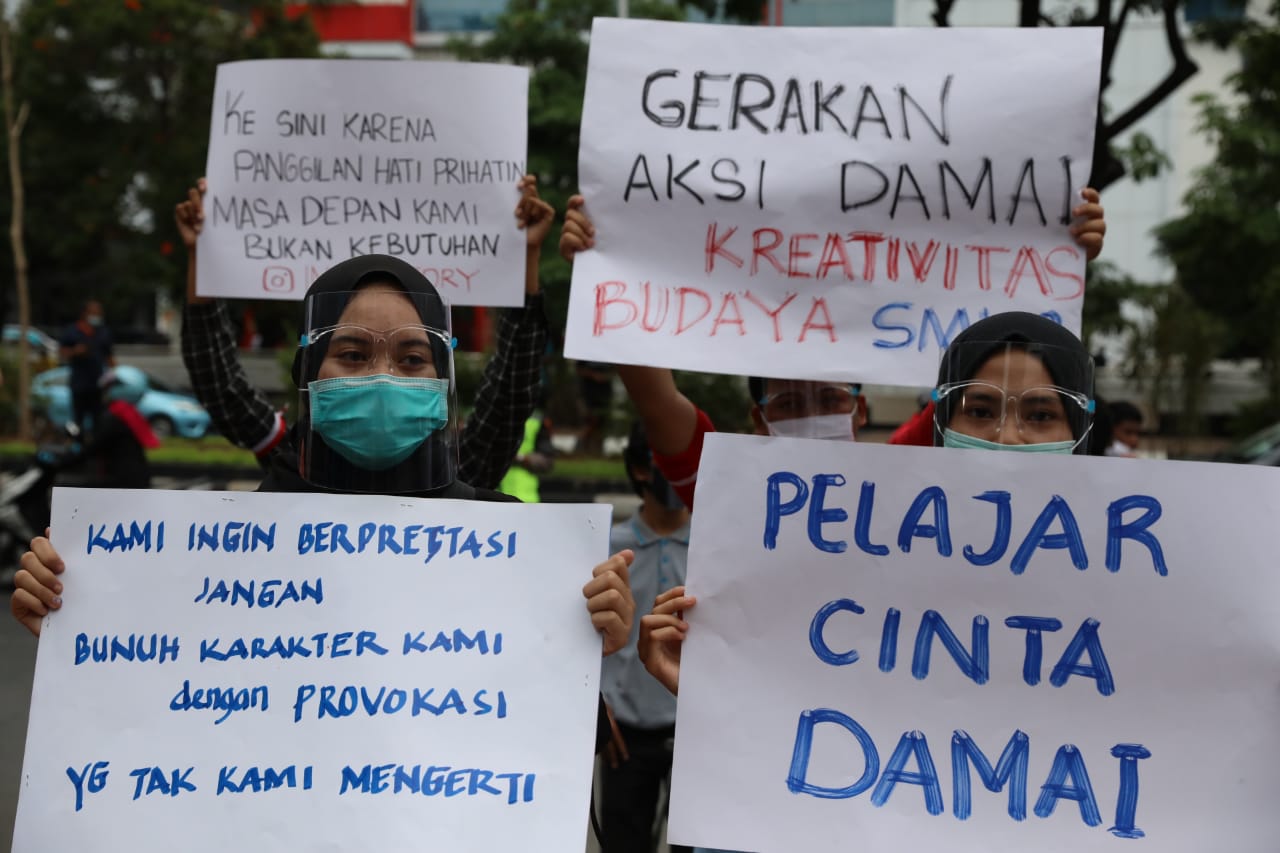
1184, 68
942, 12
1111, 36
1029, 13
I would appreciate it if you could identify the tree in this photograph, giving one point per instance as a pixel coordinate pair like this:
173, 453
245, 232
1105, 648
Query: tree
120, 98
1226, 248
1140, 159
14, 121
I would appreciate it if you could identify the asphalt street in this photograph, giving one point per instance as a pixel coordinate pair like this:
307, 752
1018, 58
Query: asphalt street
17, 664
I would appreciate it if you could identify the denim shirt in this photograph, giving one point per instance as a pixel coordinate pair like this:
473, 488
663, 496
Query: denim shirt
637, 699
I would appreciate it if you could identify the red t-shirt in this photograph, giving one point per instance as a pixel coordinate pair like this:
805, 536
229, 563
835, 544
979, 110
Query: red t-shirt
681, 469
918, 429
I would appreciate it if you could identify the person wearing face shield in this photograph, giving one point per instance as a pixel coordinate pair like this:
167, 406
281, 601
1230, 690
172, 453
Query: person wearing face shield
638, 765
1017, 382
1013, 381
503, 402
378, 415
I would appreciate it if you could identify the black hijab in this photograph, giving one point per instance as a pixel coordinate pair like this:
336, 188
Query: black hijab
1061, 352
339, 284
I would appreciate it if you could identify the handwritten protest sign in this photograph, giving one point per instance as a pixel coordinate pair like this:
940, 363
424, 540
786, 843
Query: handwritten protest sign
315, 161
911, 649
826, 203
271, 672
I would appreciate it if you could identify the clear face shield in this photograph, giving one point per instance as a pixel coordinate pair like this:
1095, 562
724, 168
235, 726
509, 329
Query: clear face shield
1015, 396
801, 409
377, 392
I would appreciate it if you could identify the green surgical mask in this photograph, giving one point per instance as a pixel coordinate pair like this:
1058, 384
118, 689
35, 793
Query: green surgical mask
951, 438
376, 422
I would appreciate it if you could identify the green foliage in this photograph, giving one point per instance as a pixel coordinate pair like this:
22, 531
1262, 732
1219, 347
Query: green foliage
569, 468
1141, 157
1176, 350
1107, 290
724, 398
548, 38
120, 97
1225, 248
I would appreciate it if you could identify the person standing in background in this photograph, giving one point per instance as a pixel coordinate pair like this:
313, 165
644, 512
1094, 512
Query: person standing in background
86, 349
1126, 429
638, 765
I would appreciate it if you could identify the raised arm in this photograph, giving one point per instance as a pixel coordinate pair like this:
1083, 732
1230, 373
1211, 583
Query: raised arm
238, 408
669, 417
509, 386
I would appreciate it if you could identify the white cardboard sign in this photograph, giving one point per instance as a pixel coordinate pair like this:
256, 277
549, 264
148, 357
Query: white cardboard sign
313, 161
314, 672
916, 649
826, 203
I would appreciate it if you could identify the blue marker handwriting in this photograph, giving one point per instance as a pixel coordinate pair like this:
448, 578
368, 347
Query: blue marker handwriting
975, 660
1067, 779
227, 700
1130, 519
92, 778
147, 536
157, 780
427, 541
133, 648
427, 780
433, 780
286, 647
258, 780
270, 593
338, 701
232, 537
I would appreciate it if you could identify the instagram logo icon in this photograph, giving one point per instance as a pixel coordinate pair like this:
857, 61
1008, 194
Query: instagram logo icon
277, 280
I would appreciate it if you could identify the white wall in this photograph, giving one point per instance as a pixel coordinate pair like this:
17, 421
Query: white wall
1142, 60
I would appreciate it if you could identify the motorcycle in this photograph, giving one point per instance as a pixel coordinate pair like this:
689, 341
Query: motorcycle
25, 497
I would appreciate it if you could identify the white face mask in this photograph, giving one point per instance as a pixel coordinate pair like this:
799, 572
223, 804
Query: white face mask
831, 427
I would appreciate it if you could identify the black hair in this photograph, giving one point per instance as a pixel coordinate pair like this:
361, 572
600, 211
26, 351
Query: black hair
637, 455
1122, 411
758, 385
1100, 436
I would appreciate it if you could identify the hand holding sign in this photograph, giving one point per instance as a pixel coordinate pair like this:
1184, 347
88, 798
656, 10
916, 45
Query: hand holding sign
37, 585
662, 634
975, 652
239, 676
315, 161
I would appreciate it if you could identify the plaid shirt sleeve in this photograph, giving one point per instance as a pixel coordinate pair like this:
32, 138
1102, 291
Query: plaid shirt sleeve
239, 410
506, 397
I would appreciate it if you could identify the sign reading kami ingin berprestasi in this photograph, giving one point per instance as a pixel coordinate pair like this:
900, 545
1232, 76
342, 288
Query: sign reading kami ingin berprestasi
912, 649
270, 672
826, 203
314, 161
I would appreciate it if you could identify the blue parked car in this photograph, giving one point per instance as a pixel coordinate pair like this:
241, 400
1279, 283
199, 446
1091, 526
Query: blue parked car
167, 412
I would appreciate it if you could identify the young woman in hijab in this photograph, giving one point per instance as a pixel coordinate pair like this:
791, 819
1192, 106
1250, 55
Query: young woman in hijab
378, 415
1013, 381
